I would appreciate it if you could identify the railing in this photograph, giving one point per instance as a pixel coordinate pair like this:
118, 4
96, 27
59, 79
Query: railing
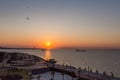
83, 73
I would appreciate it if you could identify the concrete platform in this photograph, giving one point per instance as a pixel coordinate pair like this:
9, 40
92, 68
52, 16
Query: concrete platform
48, 76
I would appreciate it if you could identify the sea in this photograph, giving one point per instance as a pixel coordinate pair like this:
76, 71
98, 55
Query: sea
96, 59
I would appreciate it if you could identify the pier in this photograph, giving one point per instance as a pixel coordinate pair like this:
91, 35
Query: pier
80, 74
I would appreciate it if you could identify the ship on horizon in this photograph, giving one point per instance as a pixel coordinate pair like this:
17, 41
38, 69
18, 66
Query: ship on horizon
80, 50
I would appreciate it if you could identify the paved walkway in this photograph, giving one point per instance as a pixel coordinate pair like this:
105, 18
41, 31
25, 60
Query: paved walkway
83, 73
48, 76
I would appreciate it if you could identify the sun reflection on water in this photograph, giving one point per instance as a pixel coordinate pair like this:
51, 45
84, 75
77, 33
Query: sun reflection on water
47, 55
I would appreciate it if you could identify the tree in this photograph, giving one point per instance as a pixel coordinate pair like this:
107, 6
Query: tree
104, 73
97, 72
53, 74
112, 74
79, 71
72, 77
63, 75
39, 77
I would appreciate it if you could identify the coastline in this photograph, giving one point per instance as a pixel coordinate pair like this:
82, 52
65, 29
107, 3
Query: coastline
45, 66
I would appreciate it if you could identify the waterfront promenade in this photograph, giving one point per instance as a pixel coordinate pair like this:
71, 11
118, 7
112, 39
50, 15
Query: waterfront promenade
81, 74
42, 66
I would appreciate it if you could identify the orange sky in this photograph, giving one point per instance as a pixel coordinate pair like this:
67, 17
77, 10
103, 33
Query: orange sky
59, 41
84, 24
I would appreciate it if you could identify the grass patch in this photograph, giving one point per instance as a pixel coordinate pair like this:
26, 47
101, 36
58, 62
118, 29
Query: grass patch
21, 72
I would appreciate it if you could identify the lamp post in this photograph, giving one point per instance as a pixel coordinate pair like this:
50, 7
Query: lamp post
30, 74
88, 70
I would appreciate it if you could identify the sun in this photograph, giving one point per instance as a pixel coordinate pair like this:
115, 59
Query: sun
48, 44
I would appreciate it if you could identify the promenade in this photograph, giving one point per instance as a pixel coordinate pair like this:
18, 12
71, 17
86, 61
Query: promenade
81, 74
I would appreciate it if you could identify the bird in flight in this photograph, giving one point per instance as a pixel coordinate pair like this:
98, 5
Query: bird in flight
27, 18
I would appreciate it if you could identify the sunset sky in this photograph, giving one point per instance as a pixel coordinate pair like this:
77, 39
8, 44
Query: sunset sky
62, 23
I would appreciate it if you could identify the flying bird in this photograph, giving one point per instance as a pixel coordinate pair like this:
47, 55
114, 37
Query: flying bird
27, 18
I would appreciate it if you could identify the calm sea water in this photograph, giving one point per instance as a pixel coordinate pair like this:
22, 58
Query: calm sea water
101, 60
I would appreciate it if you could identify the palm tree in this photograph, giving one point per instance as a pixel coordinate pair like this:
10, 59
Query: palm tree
91, 71
79, 71
53, 74
63, 75
97, 72
73, 77
104, 74
112, 75
39, 77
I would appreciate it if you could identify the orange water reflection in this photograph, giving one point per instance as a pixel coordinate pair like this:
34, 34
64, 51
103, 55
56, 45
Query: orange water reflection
47, 55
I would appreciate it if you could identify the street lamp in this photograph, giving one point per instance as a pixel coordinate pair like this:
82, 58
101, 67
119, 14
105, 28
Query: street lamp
30, 74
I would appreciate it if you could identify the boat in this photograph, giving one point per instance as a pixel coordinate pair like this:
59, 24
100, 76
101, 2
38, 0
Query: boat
80, 50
